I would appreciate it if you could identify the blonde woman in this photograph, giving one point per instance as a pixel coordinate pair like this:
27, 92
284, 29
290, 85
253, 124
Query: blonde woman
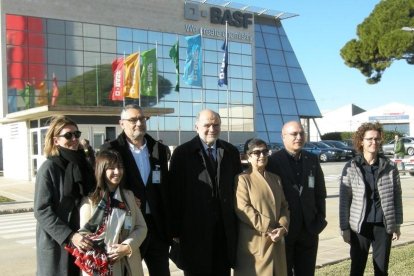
61, 182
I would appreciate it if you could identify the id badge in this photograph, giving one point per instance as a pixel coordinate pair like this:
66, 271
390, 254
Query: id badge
311, 181
156, 177
128, 222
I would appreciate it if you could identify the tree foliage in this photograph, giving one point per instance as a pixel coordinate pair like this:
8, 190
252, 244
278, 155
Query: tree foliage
380, 39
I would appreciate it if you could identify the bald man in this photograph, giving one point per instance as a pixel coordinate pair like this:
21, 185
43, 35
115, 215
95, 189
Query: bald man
304, 187
202, 173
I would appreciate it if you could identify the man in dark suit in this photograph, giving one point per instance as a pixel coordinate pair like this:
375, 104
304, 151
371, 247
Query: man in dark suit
145, 169
304, 187
202, 173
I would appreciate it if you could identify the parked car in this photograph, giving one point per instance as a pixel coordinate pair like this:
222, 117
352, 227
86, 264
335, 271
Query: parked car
388, 148
274, 147
349, 151
324, 152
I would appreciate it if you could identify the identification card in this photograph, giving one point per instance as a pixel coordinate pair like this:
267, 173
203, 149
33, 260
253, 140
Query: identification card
156, 177
311, 181
128, 221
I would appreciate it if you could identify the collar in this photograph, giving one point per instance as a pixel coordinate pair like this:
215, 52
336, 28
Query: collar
214, 146
134, 148
297, 156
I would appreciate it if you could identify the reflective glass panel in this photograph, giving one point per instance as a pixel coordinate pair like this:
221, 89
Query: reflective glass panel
108, 32
90, 30
276, 57
280, 73
266, 88
296, 75
302, 91
307, 108
273, 122
284, 90
270, 105
55, 26
272, 41
288, 106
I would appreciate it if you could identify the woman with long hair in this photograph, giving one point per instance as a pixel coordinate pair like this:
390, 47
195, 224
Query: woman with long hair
61, 182
112, 220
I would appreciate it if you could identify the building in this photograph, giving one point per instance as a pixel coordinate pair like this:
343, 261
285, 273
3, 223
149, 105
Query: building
50, 46
393, 117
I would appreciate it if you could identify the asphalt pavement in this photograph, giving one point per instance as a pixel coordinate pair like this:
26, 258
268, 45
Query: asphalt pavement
331, 250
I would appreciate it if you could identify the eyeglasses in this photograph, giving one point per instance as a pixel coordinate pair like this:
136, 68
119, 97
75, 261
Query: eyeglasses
135, 120
370, 140
69, 135
265, 152
295, 134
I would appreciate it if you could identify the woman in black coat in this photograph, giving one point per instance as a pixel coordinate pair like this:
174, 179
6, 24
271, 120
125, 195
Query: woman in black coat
62, 180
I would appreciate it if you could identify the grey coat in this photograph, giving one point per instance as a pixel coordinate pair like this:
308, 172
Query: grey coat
352, 196
53, 228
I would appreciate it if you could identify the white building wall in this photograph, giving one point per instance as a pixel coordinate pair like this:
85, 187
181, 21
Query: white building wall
341, 119
15, 149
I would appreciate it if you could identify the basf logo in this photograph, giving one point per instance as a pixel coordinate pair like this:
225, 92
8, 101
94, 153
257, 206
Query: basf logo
216, 15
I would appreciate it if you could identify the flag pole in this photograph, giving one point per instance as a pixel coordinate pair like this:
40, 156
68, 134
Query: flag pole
156, 87
97, 82
202, 66
179, 96
139, 86
227, 87
123, 86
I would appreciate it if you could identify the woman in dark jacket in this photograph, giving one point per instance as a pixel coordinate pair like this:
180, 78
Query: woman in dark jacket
370, 204
61, 182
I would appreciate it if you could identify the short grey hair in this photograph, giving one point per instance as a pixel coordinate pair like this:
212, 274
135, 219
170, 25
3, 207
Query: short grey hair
215, 113
128, 107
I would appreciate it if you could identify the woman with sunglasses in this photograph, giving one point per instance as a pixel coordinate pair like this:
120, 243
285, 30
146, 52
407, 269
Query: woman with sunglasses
263, 216
61, 182
370, 203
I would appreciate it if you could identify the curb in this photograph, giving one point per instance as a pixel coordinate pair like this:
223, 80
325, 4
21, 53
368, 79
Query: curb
15, 211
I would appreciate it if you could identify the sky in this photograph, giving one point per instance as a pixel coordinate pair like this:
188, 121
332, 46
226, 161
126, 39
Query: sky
322, 28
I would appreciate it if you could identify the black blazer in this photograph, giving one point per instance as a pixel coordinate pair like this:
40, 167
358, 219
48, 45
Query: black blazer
155, 194
192, 202
310, 204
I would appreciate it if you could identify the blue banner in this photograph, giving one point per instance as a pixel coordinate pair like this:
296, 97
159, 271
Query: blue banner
193, 62
224, 64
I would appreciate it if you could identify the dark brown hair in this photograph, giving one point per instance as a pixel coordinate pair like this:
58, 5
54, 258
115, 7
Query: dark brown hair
252, 143
104, 160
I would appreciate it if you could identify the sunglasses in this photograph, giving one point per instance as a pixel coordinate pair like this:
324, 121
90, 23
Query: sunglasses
265, 152
69, 135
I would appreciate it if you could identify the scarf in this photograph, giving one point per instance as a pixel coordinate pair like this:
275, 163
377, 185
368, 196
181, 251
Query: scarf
78, 181
103, 229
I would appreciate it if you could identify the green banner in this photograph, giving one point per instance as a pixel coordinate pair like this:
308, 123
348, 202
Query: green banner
149, 73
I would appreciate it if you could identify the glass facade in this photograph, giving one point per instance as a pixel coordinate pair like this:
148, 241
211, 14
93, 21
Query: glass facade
79, 55
283, 93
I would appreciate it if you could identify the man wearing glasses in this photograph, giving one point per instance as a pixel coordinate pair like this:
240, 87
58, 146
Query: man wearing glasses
202, 173
146, 167
304, 187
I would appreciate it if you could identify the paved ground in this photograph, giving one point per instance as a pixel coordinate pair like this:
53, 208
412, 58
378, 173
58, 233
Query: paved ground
331, 247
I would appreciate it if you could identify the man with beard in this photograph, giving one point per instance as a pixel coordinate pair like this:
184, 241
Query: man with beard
202, 173
146, 167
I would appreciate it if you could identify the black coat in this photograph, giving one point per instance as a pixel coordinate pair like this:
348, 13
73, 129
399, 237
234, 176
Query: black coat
192, 202
308, 207
155, 194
